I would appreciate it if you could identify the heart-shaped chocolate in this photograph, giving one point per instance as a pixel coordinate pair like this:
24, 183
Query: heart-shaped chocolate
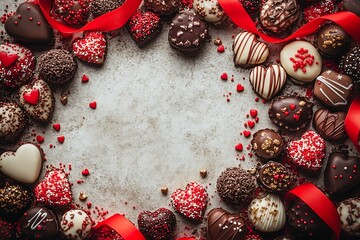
341, 173
54, 190
330, 125
157, 225
28, 25
267, 82
190, 202
248, 51
221, 225
37, 100
91, 48
24, 165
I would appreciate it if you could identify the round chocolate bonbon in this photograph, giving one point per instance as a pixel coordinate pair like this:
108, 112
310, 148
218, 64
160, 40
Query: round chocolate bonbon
352, 6
349, 212
275, 177
350, 63
76, 224
267, 144
162, 7
100, 7
332, 40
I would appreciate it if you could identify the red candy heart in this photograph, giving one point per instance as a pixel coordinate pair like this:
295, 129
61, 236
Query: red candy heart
239, 147
55, 190
56, 126
85, 172
92, 105
32, 97
253, 113
251, 124
61, 139
224, 76
190, 202
221, 48
8, 59
246, 133
91, 48
240, 88
40, 139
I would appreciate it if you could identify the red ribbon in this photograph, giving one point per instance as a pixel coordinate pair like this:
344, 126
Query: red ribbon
108, 22
122, 226
319, 203
352, 123
350, 22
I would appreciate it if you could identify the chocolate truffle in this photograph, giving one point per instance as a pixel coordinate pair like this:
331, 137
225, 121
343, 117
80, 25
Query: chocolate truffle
349, 212
188, 33
332, 40
17, 65
291, 112
251, 6
235, 186
57, 66
39, 223
209, 10
100, 7
267, 144
7, 230
221, 225
278, 15
12, 122
163, 7
333, 89
350, 63
301, 61
275, 177
267, 213
72, 12
341, 173
76, 224
330, 125
352, 6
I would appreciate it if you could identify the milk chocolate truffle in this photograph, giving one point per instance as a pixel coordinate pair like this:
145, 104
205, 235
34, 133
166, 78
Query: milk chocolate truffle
350, 63
267, 213
349, 212
352, 6
163, 7
291, 112
76, 224
39, 223
221, 225
332, 40
333, 89
267, 144
57, 66
278, 15
12, 122
235, 186
330, 125
275, 177
100, 7
209, 10
187, 32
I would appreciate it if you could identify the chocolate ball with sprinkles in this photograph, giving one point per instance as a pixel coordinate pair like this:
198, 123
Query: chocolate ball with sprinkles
332, 40
350, 63
100, 7
57, 66
76, 224
236, 186
267, 144
251, 6
72, 12
7, 230
349, 212
163, 7
17, 65
12, 122
275, 177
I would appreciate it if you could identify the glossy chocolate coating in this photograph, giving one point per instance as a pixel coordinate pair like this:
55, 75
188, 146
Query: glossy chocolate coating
332, 40
352, 6
330, 125
275, 177
267, 144
163, 7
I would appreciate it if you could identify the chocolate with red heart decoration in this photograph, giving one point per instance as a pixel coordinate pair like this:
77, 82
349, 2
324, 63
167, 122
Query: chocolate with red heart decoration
12, 121
72, 12
275, 177
330, 125
144, 27
221, 225
307, 152
28, 25
157, 225
341, 173
54, 190
190, 202
91, 48
37, 100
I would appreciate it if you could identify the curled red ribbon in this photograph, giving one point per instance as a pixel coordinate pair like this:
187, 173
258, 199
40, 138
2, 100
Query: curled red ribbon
108, 22
319, 203
122, 226
352, 123
350, 22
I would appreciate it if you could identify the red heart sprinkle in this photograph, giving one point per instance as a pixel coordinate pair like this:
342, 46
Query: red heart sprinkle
8, 59
239, 147
240, 88
253, 113
92, 105
85, 172
224, 76
276, 176
246, 133
56, 126
61, 139
85, 78
221, 48
40, 139
32, 97
251, 124
292, 107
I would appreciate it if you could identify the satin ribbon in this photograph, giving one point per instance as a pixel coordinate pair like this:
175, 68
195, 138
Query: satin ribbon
122, 226
352, 123
108, 22
350, 22
319, 203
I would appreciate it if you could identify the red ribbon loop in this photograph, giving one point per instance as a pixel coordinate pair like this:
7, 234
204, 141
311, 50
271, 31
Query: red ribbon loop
352, 123
349, 21
122, 226
108, 22
319, 203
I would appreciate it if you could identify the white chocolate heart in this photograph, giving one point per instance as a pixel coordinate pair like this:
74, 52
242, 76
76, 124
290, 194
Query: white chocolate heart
24, 165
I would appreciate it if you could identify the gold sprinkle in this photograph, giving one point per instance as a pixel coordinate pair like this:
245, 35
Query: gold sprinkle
164, 190
203, 173
82, 196
63, 100
302, 103
217, 42
252, 171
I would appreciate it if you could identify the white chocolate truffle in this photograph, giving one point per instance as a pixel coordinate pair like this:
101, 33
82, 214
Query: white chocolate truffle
76, 224
349, 212
209, 10
301, 61
267, 213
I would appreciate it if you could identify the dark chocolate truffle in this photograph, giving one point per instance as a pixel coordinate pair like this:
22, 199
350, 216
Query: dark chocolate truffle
352, 6
100, 7
163, 7
188, 33
350, 63
332, 40
349, 212
57, 66
235, 186
275, 177
330, 125
12, 122
39, 223
278, 15
223, 225
267, 144
7, 230
291, 112
72, 12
